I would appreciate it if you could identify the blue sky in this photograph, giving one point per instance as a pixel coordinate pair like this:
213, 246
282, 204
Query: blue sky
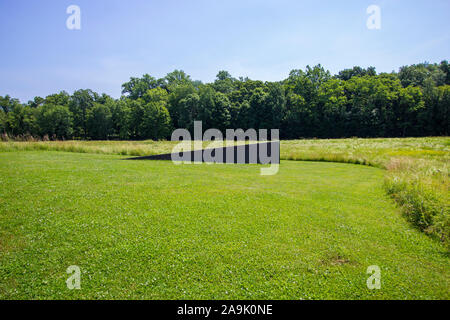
260, 39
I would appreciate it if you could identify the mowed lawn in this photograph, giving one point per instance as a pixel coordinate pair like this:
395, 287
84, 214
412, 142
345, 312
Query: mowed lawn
155, 230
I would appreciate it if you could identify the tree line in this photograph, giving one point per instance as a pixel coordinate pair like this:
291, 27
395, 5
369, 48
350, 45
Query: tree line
357, 102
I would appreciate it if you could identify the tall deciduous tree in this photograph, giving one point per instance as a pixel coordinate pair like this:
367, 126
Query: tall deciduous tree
80, 104
55, 121
137, 87
99, 121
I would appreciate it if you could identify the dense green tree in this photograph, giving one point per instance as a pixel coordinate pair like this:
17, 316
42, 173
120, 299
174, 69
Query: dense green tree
444, 66
55, 121
332, 103
369, 99
137, 87
80, 104
275, 104
156, 123
306, 84
99, 121
156, 95
7, 103
401, 116
136, 108
121, 119
36, 102
356, 71
435, 117
58, 99
417, 74
443, 111
3, 127
258, 116
240, 113
214, 109
177, 78
244, 90
21, 120
309, 103
297, 119
177, 106
224, 82
188, 111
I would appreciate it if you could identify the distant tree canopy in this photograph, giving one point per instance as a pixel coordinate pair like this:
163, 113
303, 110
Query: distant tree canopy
309, 103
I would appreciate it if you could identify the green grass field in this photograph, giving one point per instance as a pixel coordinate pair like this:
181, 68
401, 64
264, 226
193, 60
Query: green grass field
416, 176
155, 230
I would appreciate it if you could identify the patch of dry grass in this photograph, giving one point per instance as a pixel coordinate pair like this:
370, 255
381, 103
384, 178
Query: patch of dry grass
417, 176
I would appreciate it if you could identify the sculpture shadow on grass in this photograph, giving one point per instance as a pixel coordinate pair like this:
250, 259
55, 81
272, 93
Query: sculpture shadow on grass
256, 153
